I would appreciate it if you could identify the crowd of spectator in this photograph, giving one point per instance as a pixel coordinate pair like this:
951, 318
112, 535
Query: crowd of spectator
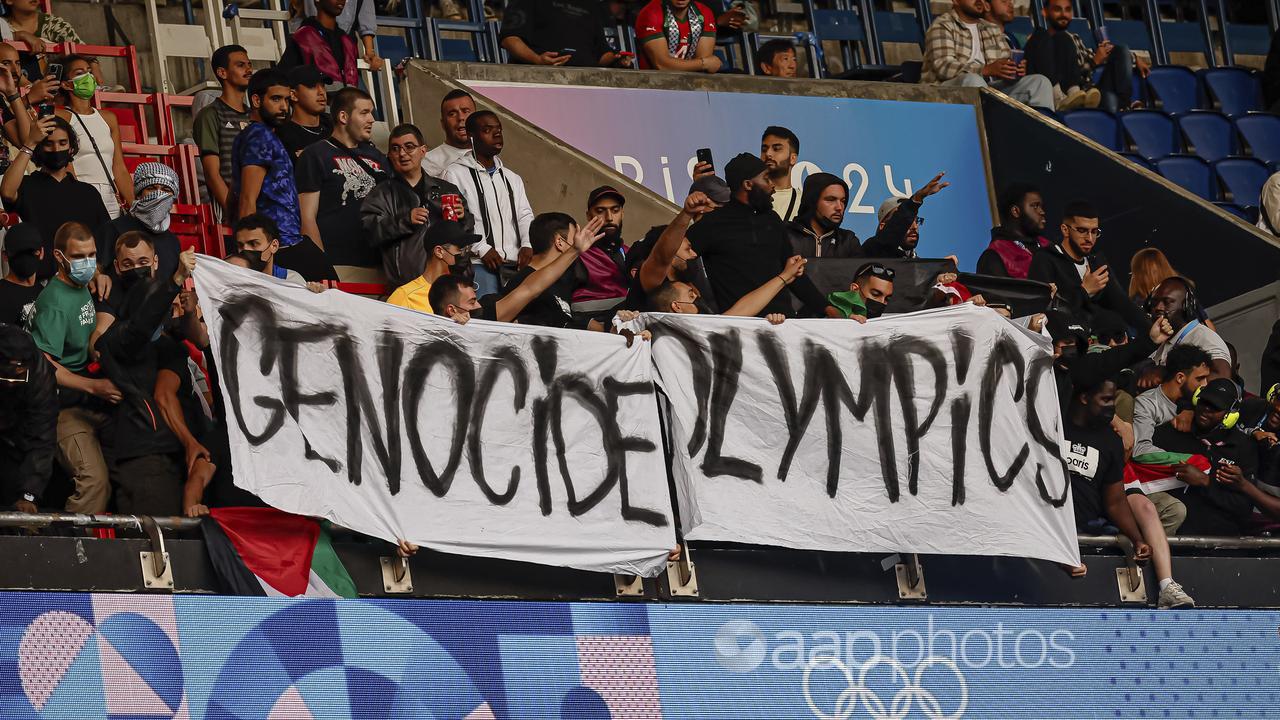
107, 381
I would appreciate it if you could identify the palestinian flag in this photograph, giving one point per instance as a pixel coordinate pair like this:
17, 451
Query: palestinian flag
264, 551
1157, 472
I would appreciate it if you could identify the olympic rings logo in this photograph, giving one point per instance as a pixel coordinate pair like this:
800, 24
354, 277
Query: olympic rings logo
858, 694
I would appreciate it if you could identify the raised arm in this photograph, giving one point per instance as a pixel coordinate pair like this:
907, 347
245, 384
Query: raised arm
654, 269
754, 302
515, 301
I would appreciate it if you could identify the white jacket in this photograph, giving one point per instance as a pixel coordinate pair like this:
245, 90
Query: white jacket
501, 206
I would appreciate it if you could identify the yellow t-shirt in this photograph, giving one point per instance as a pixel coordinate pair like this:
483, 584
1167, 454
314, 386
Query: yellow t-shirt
412, 295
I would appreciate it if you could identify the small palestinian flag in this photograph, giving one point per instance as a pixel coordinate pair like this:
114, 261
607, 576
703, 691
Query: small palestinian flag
264, 551
1157, 472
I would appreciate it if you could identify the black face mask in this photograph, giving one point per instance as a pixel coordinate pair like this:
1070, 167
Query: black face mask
24, 265
256, 262
462, 269
875, 308
134, 276
56, 160
1104, 417
1068, 356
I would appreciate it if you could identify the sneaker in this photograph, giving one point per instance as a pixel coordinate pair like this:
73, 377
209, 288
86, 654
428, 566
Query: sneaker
1173, 597
1075, 98
1092, 97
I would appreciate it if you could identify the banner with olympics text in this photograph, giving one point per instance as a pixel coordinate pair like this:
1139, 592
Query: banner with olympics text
493, 440
933, 432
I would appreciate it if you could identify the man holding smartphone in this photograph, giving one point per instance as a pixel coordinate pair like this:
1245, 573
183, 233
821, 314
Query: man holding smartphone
1062, 56
558, 32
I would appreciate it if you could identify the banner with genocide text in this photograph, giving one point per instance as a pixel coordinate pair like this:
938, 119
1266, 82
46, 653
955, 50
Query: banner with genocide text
502, 441
933, 432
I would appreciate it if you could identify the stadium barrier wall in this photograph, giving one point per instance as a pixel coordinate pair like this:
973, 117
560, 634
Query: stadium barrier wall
97, 656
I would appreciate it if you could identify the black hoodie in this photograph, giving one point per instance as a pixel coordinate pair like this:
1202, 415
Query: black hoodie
837, 243
1052, 265
28, 418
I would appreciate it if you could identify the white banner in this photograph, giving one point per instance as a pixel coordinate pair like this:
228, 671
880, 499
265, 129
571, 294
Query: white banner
934, 432
492, 440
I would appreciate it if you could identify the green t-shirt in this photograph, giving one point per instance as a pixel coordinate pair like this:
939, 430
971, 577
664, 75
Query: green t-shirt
62, 323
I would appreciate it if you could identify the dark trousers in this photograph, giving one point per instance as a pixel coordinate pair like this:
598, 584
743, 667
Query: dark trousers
149, 485
307, 259
1054, 56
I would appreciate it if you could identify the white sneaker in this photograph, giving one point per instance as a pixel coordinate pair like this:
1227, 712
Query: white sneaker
1075, 98
1173, 597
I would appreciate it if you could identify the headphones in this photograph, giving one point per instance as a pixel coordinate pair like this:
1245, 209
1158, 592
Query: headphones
1233, 413
1273, 393
1190, 305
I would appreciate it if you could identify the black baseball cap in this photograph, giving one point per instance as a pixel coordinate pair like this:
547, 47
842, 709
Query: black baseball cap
23, 237
1219, 394
307, 75
605, 191
741, 168
1064, 326
446, 232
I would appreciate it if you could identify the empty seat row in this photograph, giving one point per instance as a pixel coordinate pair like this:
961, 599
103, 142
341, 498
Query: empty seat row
1233, 91
1206, 133
1235, 180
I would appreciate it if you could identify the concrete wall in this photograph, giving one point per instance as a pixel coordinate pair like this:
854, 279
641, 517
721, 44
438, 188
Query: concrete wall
559, 176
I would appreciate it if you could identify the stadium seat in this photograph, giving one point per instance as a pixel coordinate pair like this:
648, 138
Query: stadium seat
1236, 91
1021, 28
1249, 215
1241, 39
1261, 134
1190, 172
1175, 87
1208, 134
1185, 37
1151, 132
897, 27
1081, 27
1242, 178
1097, 125
845, 29
1133, 34
1139, 160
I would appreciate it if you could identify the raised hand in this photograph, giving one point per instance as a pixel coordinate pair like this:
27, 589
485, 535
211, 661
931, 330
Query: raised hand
933, 187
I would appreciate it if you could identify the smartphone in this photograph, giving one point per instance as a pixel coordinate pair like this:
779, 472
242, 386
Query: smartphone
46, 109
704, 156
55, 69
1102, 34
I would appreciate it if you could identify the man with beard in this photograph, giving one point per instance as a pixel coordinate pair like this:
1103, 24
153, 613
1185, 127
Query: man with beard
333, 177
780, 149
898, 233
665, 255
605, 262
262, 172
1175, 300
743, 244
19, 289
496, 197
455, 108
1017, 237
156, 185
1080, 272
816, 231
1062, 56
1222, 465
446, 246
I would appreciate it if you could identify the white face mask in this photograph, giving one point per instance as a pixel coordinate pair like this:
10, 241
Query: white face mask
152, 209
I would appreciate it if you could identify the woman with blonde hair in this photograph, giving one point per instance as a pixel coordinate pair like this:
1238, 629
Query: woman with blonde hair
1148, 268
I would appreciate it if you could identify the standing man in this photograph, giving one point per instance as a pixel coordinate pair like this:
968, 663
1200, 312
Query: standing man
744, 244
28, 420
263, 170
455, 108
963, 50
816, 230
334, 177
1080, 272
23, 251
780, 149
359, 17
396, 215
605, 287
157, 188
310, 122
321, 43
497, 199
1061, 56
898, 233
218, 124
1017, 237
558, 32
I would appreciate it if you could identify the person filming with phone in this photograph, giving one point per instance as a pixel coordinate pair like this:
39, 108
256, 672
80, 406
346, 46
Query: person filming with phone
100, 161
1080, 271
558, 32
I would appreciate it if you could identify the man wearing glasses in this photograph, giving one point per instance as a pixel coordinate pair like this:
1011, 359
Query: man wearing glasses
900, 223
868, 295
1080, 272
397, 214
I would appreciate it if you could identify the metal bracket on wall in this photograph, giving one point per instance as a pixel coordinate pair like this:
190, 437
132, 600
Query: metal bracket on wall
628, 585
157, 574
396, 576
682, 575
911, 579
1129, 579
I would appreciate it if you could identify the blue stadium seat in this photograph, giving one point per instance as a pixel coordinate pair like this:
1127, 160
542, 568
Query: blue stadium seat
1247, 214
897, 27
1235, 90
1175, 87
1243, 39
1133, 34
1097, 125
1081, 27
843, 27
1021, 28
1261, 133
1190, 172
1139, 160
458, 50
1209, 134
1242, 178
1184, 37
1152, 133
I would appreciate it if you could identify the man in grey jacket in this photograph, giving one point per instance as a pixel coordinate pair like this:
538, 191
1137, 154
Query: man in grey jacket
397, 213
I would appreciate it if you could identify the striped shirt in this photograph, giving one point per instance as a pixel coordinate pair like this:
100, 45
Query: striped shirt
215, 130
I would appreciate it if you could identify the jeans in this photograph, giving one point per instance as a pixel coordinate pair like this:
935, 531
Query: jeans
486, 280
1033, 90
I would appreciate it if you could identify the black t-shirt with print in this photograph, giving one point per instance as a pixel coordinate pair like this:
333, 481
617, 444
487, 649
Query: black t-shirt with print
343, 177
16, 301
1095, 457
